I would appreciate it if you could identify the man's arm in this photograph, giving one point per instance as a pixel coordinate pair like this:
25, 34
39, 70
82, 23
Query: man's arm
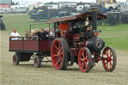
18, 35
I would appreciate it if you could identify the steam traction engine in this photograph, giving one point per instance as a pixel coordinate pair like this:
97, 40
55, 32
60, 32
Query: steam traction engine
77, 41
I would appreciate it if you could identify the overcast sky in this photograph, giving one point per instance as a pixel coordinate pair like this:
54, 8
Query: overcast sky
60, 0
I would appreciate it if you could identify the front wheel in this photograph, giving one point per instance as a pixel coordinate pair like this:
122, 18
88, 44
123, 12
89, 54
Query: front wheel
109, 59
84, 59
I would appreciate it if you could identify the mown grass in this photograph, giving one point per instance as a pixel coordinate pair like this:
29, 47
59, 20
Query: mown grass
21, 22
115, 36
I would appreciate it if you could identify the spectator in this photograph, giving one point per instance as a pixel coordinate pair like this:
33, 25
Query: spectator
2, 25
15, 35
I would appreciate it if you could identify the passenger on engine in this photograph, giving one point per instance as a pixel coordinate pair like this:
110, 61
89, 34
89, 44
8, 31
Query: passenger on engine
88, 29
88, 32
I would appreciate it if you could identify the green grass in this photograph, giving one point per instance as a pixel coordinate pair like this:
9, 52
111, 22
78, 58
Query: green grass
115, 36
21, 22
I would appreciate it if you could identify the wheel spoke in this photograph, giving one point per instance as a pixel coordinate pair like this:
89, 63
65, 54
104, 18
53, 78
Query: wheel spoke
111, 53
61, 53
82, 64
107, 65
106, 59
86, 54
110, 64
81, 59
60, 49
86, 65
58, 61
82, 53
55, 55
61, 58
106, 62
85, 60
60, 46
56, 47
107, 53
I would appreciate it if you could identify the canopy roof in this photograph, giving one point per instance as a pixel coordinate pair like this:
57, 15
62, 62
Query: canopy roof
75, 17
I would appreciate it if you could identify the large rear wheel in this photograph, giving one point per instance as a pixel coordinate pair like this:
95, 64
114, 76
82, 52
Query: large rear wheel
59, 54
109, 59
84, 59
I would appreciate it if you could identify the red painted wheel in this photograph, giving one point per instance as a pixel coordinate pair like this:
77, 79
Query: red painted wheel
59, 54
16, 59
37, 61
109, 59
84, 59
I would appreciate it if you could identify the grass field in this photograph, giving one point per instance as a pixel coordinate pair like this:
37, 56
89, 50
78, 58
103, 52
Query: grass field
21, 22
115, 36
26, 74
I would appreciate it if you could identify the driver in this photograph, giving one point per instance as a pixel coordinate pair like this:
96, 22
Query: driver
64, 26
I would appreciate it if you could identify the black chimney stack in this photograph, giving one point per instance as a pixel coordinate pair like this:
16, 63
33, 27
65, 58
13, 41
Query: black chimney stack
94, 18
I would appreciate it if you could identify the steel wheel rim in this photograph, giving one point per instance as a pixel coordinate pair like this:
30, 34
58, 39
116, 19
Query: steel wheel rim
83, 60
57, 54
108, 59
